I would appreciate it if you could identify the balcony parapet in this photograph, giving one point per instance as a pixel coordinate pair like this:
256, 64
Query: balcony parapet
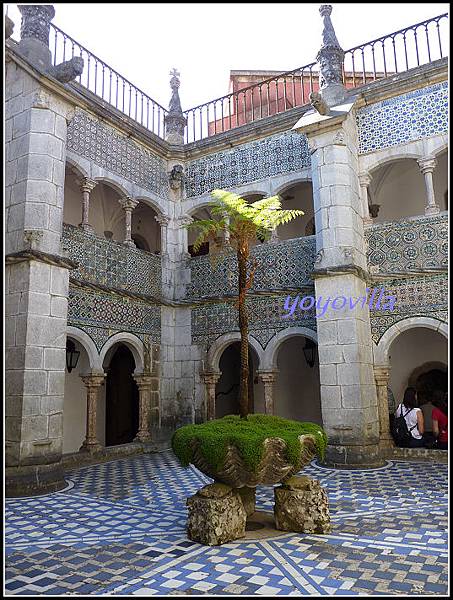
413, 245
111, 264
284, 265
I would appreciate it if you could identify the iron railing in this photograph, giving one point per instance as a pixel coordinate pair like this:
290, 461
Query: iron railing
399, 51
394, 53
108, 84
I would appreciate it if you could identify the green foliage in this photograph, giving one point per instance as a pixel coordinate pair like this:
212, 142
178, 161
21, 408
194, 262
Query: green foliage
247, 435
244, 221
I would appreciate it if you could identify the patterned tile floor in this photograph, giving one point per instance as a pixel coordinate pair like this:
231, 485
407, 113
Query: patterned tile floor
119, 529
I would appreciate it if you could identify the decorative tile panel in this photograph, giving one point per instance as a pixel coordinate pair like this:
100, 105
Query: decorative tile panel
283, 265
210, 321
419, 296
408, 245
111, 263
111, 150
274, 155
90, 309
412, 116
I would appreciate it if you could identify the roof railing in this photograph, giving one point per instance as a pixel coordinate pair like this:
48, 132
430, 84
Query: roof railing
394, 53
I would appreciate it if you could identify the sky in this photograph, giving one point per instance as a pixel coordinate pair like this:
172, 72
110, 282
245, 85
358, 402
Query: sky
143, 42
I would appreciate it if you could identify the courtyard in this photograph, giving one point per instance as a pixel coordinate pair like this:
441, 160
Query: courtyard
118, 528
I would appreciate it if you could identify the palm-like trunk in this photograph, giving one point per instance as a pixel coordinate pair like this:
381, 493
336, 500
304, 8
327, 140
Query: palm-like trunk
242, 255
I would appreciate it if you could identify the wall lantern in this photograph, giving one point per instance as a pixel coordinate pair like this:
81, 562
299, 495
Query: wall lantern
310, 352
72, 355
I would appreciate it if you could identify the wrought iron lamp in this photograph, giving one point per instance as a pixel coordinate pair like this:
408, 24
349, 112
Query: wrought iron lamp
310, 352
72, 355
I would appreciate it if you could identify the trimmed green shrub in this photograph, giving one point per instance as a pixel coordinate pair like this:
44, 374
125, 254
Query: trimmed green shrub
248, 435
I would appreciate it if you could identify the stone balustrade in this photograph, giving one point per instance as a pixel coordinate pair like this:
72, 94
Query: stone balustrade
410, 245
112, 264
283, 265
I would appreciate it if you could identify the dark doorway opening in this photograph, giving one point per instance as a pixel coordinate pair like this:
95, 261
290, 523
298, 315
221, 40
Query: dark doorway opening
121, 419
227, 388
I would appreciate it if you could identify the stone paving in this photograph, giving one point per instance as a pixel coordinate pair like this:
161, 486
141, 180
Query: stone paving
119, 529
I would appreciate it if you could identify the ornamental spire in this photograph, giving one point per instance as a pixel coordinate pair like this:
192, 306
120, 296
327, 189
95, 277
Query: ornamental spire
330, 58
175, 121
34, 42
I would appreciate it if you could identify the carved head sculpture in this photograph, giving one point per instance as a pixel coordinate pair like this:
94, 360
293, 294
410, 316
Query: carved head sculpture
374, 210
176, 177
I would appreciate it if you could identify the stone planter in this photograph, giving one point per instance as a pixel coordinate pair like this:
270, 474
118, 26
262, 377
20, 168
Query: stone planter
273, 467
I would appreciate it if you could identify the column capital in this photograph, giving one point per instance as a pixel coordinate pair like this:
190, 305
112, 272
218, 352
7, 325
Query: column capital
365, 179
93, 379
163, 220
268, 376
381, 374
87, 184
128, 203
427, 164
211, 377
143, 381
185, 219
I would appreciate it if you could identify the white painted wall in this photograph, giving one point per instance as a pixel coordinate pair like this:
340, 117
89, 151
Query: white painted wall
75, 404
412, 349
399, 187
296, 392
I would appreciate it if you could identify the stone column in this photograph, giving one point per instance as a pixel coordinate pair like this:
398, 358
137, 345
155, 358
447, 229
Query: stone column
163, 221
92, 382
427, 166
365, 180
345, 347
128, 205
268, 378
184, 220
86, 188
36, 278
210, 380
144, 390
382, 377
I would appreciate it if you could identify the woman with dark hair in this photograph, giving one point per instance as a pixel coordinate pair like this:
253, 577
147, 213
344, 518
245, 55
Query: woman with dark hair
440, 419
413, 417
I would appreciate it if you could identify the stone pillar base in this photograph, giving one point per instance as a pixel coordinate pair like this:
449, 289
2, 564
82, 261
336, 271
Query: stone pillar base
92, 448
353, 457
144, 438
248, 497
87, 228
34, 480
216, 515
301, 505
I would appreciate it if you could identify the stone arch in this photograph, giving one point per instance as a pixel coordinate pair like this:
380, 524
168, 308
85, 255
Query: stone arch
220, 344
270, 354
117, 187
84, 340
151, 202
375, 162
76, 167
382, 348
130, 340
290, 181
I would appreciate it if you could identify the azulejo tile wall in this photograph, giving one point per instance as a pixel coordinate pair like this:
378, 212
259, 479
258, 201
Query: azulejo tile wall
256, 160
286, 264
408, 245
266, 318
111, 150
415, 296
111, 263
90, 310
412, 116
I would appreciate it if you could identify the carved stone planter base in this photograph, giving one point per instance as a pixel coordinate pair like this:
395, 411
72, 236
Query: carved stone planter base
216, 515
301, 505
248, 497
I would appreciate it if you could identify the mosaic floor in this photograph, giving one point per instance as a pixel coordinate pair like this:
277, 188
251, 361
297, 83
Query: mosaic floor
119, 528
